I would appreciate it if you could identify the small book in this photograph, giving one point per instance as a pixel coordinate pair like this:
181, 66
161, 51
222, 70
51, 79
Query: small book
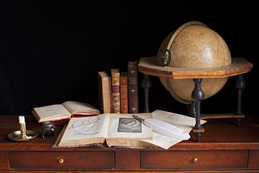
115, 78
124, 92
63, 111
104, 85
133, 86
117, 129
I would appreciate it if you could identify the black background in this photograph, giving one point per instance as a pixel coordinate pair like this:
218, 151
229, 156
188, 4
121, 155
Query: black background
51, 51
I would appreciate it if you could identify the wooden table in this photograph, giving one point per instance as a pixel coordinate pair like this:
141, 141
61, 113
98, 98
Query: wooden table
223, 147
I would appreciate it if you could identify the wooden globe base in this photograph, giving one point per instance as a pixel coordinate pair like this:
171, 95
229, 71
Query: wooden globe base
239, 66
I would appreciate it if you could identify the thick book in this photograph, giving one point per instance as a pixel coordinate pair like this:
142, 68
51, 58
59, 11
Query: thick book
104, 85
116, 129
115, 97
124, 92
63, 111
133, 86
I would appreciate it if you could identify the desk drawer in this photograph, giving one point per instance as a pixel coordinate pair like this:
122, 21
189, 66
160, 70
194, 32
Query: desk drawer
62, 160
254, 159
193, 159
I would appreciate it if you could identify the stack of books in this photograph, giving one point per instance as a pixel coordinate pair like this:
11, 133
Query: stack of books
118, 91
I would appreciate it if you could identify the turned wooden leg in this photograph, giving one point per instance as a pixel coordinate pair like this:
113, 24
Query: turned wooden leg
240, 85
197, 95
146, 84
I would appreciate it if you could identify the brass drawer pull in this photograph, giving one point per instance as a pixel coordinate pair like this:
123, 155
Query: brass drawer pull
61, 160
195, 160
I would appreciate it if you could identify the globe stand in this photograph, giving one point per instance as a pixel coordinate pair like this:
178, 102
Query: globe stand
197, 95
240, 85
239, 66
146, 84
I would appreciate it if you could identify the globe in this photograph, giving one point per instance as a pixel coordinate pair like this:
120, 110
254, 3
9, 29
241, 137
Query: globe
194, 46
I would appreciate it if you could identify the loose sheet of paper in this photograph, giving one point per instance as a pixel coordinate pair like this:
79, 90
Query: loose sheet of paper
181, 121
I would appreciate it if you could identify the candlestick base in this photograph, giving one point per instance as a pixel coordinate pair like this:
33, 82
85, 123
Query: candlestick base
17, 135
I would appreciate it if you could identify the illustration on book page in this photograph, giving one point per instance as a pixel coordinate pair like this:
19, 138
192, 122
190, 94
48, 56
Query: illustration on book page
85, 126
129, 125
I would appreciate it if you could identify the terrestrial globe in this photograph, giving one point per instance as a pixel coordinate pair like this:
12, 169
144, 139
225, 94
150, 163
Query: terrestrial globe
193, 46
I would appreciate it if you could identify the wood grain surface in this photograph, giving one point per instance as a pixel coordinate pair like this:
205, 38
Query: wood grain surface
223, 147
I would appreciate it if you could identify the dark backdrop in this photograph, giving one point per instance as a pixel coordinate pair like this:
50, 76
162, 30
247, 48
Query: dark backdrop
50, 50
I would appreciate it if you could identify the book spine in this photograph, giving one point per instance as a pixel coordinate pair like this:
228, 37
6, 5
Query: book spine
115, 77
104, 84
124, 92
133, 86
107, 95
100, 90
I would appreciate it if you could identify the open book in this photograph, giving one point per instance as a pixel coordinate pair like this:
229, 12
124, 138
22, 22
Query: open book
117, 129
122, 130
63, 111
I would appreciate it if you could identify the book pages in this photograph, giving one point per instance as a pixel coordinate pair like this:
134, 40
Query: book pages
79, 107
125, 125
51, 111
124, 130
85, 130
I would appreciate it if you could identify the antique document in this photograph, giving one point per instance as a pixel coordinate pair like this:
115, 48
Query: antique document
181, 121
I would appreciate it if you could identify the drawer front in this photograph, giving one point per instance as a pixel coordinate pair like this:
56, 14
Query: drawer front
193, 159
254, 159
62, 160
4, 162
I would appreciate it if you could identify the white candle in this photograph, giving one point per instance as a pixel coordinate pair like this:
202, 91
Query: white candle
21, 120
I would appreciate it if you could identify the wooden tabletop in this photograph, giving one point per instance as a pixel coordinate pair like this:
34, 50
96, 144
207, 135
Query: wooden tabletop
219, 134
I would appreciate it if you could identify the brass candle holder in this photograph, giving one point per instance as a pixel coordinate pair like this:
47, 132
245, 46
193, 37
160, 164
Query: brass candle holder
23, 131
22, 134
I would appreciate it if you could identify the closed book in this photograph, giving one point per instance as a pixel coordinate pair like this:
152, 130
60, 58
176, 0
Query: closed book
104, 85
124, 92
115, 96
133, 87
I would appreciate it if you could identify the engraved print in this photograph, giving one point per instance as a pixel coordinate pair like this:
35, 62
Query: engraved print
129, 125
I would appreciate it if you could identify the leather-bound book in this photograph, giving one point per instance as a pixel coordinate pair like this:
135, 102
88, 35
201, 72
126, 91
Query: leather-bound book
124, 92
115, 77
133, 86
104, 84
